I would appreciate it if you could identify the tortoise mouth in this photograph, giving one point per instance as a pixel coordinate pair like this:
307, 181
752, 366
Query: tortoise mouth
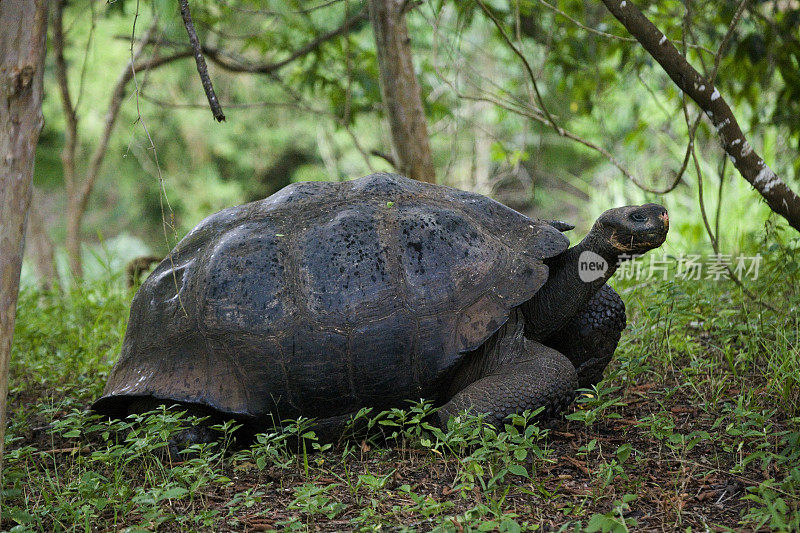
638, 242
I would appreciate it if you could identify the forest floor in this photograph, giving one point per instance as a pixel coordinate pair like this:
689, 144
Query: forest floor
697, 425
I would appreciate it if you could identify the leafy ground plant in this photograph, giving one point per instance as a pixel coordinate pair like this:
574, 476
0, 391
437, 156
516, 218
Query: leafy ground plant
697, 425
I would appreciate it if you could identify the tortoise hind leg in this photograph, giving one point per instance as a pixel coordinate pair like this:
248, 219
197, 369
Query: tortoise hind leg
590, 338
531, 376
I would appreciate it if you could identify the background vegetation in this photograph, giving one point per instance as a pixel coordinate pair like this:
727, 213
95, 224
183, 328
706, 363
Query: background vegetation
696, 426
319, 117
698, 422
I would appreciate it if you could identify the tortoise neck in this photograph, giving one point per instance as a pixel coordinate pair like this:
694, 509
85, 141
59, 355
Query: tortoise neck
574, 277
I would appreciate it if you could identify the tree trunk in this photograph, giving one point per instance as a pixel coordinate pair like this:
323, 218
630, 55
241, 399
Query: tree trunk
40, 247
70, 143
23, 24
400, 90
72, 243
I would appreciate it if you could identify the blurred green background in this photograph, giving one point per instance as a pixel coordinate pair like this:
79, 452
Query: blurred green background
320, 117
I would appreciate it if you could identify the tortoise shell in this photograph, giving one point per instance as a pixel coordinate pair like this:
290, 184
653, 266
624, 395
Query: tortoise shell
328, 297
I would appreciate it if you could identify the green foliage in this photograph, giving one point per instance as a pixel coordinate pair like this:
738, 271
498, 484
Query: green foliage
685, 349
605, 89
595, 403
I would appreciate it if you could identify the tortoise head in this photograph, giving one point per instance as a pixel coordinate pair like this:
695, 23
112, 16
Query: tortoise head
632, 229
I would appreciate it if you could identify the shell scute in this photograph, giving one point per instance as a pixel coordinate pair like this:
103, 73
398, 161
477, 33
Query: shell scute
445, 256
343, 267
318, 377
246, 286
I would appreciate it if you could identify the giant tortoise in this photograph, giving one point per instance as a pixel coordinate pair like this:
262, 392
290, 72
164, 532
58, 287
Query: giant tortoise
329, 297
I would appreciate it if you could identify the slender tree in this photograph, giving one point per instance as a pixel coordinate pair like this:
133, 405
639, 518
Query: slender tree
402, 98
79, 188
23, 24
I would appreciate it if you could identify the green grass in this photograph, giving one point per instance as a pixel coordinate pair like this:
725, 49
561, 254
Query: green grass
697, 425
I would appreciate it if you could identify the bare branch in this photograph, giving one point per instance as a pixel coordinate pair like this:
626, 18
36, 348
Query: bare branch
348, 65
527, 65
548, 119
275, 13
714, 237
692, 127
564, 133
89, 41
727, 39
529, 110
780, 198
202, 69
611, 36
231, 63
73, 244
579, 24
723, 168
383, 155
268, 68
154, 62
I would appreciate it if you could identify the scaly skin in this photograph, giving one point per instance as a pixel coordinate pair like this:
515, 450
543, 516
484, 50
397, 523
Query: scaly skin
589, 338
617, 235
541, 377
511, 375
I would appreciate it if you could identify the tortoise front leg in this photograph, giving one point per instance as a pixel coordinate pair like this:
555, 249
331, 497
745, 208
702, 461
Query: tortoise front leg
590, 338
533, 376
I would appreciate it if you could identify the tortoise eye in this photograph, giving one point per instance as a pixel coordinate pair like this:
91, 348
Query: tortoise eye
639, 217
